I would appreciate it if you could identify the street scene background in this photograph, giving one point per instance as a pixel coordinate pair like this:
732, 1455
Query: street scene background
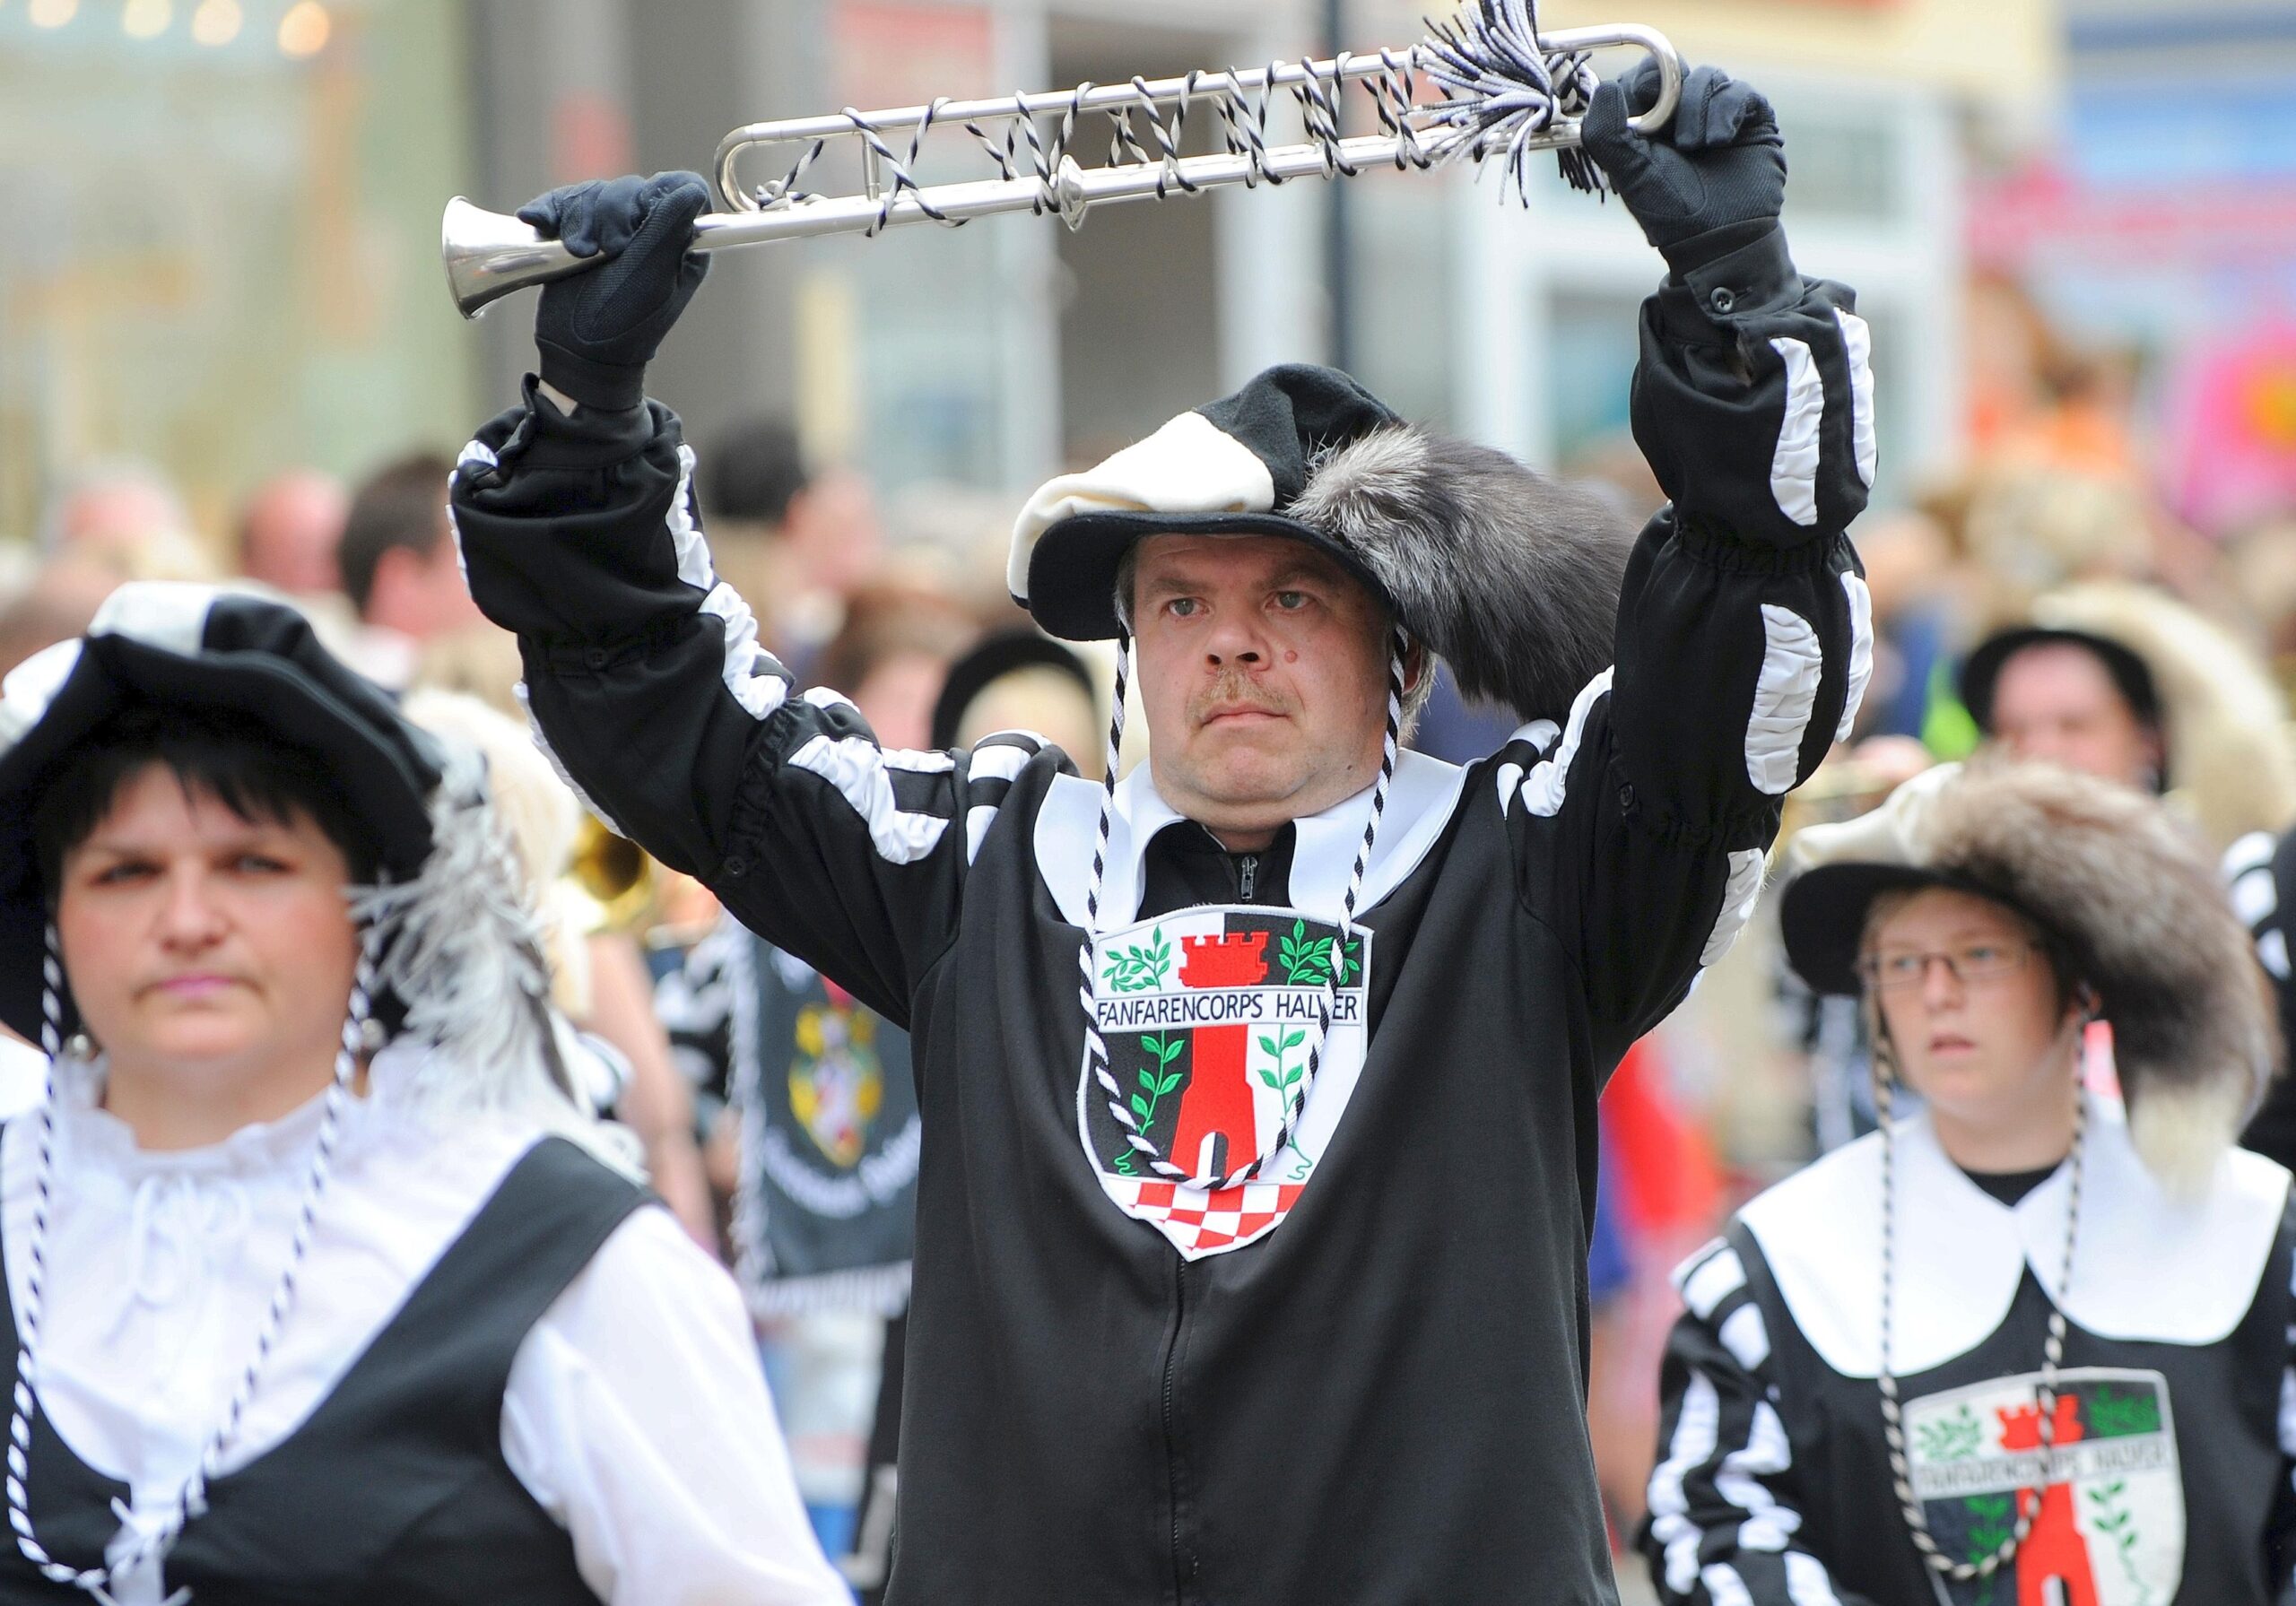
2071, 223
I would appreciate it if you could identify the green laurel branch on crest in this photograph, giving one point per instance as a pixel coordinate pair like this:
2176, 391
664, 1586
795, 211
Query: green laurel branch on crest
1140, 967
1306, 958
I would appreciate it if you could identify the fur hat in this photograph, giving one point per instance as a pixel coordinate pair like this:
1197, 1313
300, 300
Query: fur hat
1510, 577
2121, 887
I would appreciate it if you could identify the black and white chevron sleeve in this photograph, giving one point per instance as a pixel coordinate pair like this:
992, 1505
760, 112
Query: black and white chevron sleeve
1724, 1523
2259, 871
1744, 637
648, 686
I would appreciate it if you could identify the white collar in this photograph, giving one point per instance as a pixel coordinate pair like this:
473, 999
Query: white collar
2148, 1266
1419, 802
88, 1135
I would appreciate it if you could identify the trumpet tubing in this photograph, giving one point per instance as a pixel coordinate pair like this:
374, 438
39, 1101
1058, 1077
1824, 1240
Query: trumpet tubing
619, 879
1509, 90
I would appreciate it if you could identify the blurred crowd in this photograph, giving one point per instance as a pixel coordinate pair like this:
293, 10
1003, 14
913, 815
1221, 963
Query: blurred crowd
2046, 598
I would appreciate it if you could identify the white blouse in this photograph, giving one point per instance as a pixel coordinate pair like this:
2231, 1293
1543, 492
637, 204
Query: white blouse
636, 1413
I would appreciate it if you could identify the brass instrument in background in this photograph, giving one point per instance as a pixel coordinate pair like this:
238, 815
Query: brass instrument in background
1507, 88
618, 877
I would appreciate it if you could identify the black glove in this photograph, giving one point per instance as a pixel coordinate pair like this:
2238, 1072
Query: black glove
598, 329
1720, 161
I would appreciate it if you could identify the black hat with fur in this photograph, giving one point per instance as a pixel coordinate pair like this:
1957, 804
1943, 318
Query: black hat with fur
2121, 889
1510, 577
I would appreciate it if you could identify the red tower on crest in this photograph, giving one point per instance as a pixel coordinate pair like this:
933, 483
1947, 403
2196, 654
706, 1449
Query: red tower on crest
1232, 960
1217, 1103
2055, 1550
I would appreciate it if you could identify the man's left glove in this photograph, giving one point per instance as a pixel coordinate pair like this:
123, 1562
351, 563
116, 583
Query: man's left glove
1721, 160
596, 330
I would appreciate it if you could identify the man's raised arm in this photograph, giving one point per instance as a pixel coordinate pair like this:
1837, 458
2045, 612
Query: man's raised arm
577, 519
1743, 635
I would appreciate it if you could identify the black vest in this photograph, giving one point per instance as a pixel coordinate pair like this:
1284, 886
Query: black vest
394, 1490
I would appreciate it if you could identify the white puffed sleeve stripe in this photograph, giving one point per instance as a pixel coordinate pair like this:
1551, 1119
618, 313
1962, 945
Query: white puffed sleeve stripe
637, 1415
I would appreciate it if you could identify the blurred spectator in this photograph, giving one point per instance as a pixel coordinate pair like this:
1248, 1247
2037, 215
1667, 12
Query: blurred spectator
2069, 698
478, 660
113, 506
1022, 680
891, 656
2125, 681
2027, 529
126, 519
400, 566
57, 604
793, 541
2039, 399
290, 530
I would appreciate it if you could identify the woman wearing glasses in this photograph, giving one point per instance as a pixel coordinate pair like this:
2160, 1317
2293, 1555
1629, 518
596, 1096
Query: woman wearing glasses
2025, 1344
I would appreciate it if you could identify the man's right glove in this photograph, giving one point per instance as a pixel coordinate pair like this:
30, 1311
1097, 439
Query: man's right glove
1721, 160
596, 330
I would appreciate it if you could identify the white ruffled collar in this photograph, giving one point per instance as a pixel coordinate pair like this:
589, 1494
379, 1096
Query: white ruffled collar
2148, 1266
91, 1138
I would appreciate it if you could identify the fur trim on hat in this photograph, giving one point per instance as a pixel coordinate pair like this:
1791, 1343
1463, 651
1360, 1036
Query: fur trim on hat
2135, 902
1511, 578
2223, 721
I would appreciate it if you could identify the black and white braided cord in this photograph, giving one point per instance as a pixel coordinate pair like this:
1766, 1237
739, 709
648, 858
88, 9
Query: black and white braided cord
1503, 88
1096, 1048
191, 1500
1916, 1520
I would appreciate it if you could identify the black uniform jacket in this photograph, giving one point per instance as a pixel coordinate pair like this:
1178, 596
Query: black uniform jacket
2167, 1478
1361, 1379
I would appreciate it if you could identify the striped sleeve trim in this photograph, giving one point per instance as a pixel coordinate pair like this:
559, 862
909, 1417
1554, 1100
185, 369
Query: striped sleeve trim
908, 800
1741, 893
1706, 1280
1792, 665
1794, 466
1861, 651
1542, 790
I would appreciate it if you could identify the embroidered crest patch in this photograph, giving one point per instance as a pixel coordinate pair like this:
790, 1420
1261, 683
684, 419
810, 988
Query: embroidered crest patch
2111, 1527
836, 1085
1209, 1015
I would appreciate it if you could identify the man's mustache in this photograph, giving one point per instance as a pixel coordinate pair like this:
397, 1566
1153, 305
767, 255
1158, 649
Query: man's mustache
1234, 692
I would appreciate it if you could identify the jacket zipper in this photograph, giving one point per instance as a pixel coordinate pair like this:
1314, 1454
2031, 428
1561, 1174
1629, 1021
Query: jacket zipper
1171, 1431
1246, 875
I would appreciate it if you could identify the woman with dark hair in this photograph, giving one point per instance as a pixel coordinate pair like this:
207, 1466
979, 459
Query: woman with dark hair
323, 1285
2027, 1342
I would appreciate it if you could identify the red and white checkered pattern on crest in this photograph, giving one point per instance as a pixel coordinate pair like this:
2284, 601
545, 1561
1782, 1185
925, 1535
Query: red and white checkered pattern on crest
1199, 1223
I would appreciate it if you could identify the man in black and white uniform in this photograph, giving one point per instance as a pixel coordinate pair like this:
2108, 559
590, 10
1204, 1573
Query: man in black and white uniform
1212, 1303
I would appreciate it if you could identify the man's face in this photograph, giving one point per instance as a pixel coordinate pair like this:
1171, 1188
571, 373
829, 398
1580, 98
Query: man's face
1264, 673
2056, 701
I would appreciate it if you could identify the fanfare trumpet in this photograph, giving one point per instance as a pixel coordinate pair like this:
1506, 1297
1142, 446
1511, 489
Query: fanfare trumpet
1508, 91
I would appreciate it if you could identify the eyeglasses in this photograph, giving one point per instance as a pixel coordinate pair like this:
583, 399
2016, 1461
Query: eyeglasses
1970, 964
